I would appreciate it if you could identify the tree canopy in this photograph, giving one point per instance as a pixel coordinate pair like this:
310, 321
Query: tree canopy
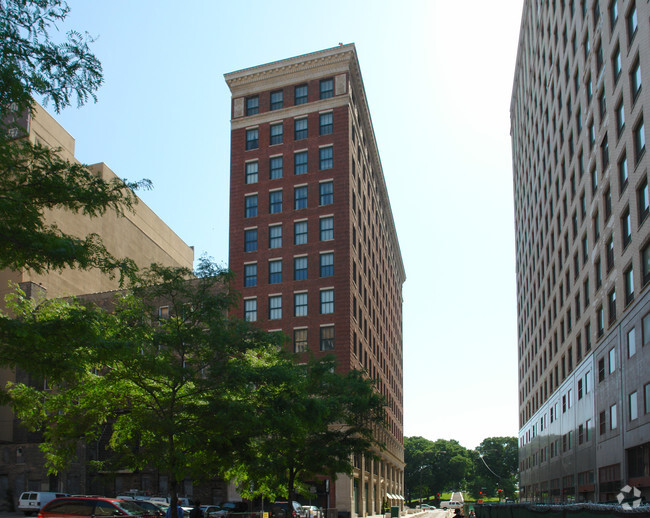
35, 178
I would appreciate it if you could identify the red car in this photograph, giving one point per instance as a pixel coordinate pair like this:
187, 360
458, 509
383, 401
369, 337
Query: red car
90, 506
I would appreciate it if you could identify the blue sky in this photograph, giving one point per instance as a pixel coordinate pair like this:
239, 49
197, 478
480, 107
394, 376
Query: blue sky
438, 77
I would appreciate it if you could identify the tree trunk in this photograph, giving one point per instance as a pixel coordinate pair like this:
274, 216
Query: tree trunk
173, 486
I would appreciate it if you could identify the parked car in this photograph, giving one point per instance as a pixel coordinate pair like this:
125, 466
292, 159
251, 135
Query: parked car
212, 511
71, 507
32, 501
279, 510
151, 508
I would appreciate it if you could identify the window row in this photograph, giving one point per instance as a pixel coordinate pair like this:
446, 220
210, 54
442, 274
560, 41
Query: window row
300, 130
300, 199
300, 234
300, 269
300, 305
300, 96
301, 339
300, 164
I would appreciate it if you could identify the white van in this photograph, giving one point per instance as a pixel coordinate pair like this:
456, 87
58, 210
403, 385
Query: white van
32, 501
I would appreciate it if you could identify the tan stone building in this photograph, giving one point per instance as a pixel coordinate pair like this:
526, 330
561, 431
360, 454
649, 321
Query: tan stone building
313, 242
578, 110
140, 235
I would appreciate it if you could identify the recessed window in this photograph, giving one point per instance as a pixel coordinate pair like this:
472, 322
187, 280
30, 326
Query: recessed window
326, 158
299, 268
610, 254
634, 406
300, 340
635, 78
607, 201
250, 240
594, 180
604, 150
613, 420
623, 174
250, 275
275, 202
620, 118
276, 133
643, 200
611, 301
300, 129
251, 206
631, 343
275, 307
252, 105
326, 88
250, 310
327, 264
646, 397
252, 138
600, 317
612, 360
628, 277
251, 172
326, 193
326, 125
300, 305
300, 233
300, 94
639, 140
300, 162
645, 264
275, 167
300, 197
326, 302
275, 271
326, 228
613, 14
277, 100
275, 236
327, 338
632, 23
626, 227
616, 63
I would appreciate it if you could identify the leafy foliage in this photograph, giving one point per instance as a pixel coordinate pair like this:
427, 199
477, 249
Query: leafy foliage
35, 178
314, 420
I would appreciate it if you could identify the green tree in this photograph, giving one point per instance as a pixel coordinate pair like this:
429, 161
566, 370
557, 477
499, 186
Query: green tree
35, 178
496, 465
173, 390
313, 420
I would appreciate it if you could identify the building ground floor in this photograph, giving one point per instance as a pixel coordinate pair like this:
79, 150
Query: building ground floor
590, 440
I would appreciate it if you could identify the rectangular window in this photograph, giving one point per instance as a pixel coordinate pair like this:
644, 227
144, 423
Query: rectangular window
300, 340
611, 300
252, 105
613, 14
610, 254
327, 338
250, 310
326, 302
588, 426
607, 201
299, 304
277, 100
251, 172
300, 233
326, 193
602, 422
639, 140
622, 174
326, 157
601, 370
634, 408
645, 264
620, 118
326, 88
300, 162
300, 129
616, 63
600, 316
300, 197
327, 264
275, 202
250, 240
643, 201
275, 307
275, 168
326, 228
632, 23
635, 79
251, 206
628, 278
646, 397
631, 343
275, 236
300, 94
275, 271
613, 418
626, 227
612, 360
326, 125
250, 275
299, 268
276, 133
252, 139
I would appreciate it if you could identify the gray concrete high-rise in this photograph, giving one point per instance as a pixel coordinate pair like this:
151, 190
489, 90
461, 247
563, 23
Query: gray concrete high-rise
580, 94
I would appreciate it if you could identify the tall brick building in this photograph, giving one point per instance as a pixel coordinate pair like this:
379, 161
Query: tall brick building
578, 111
312, 237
